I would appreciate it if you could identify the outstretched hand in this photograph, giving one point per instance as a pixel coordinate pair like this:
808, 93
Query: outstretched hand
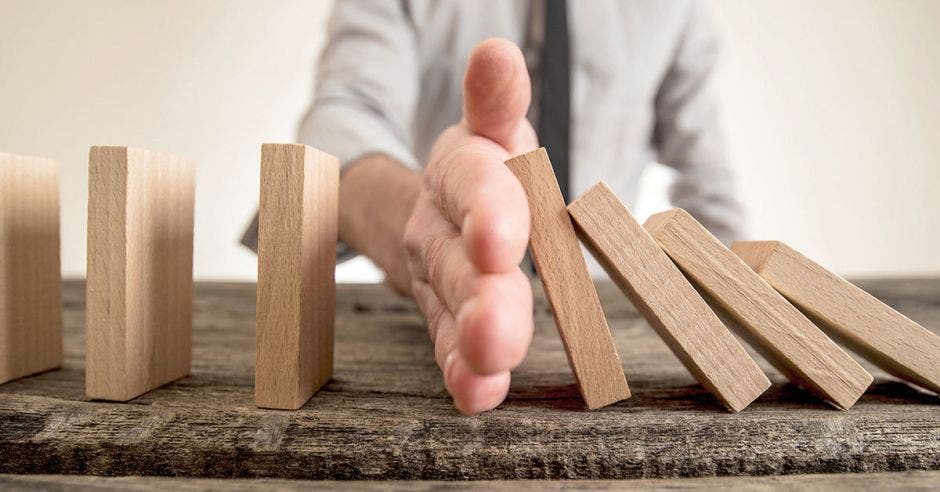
467, 234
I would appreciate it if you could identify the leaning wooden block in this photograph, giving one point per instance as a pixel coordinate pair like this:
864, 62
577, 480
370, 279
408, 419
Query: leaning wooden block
568, 285
30, 274
296, 267
791, 342
140, 271
849, 314
666, 299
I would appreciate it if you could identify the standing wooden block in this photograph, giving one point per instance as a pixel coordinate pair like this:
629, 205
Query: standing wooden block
666, 299
30, 274
568, 285
792, 343
140, 271
850, 315
296, 274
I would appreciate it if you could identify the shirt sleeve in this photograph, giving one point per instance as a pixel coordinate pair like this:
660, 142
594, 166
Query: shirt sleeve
366, 90
688, 135
367, 83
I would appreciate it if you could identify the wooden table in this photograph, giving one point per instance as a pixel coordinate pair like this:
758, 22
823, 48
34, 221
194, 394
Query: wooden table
387, 416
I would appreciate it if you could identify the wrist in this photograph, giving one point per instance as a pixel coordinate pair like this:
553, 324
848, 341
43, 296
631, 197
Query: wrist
377, 195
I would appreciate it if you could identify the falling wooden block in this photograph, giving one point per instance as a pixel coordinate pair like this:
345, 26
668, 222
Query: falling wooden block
30, 274
296, 274
140, 271
568, 286
791, 342
852, 316
666, 299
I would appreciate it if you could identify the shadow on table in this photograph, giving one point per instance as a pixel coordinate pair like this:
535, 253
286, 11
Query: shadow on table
649, 395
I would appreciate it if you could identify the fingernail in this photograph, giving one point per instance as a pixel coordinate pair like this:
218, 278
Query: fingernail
448, 365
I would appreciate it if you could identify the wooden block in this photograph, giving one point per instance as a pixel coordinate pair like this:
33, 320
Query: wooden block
666, 299
852, 316
30, 273
791, 342
568, 286
140, 271
296, 268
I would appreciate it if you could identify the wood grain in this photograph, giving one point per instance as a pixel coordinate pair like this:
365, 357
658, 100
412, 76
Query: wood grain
849, 314
386, 414
778, 330
848, 482
30, 272
296, 268
140, 263
666, 299
578, 314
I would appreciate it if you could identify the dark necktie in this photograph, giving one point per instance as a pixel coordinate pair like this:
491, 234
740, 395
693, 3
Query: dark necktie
554, 110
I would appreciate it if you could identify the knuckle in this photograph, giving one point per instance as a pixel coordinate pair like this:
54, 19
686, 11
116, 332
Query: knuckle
438, 182
429, 307
412, 236
434, 322
466, 282
435, 254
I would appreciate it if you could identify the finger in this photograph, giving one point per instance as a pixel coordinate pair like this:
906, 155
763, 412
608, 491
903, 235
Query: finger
494, 320
434, 311
494, 310
473, 393
437, 257
497, 93
441, 326
476, 192
494, 329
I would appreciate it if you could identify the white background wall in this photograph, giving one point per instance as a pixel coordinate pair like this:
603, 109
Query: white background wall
833, 109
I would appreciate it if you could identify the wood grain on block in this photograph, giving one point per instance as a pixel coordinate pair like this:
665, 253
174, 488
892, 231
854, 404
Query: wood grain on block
568, 286
852, 316
666, 299
296, 268
140, 271
790, 341
30, 273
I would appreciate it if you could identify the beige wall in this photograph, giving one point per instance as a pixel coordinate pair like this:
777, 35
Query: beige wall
833, 108
834, 111
209, 80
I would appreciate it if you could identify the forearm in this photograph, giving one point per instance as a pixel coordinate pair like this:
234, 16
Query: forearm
377, 195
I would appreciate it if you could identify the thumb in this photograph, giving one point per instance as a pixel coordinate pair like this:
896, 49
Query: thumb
497, 93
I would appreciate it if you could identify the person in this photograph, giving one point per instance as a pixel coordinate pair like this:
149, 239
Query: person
424, 191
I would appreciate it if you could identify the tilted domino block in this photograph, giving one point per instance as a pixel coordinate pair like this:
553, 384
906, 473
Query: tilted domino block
666, 299
852, 316
568, 286
30, 273
296, 274
772, 325
140, 271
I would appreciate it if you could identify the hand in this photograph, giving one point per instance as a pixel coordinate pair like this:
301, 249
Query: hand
468, 231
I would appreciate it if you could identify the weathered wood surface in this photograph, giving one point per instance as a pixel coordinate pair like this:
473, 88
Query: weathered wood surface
386, 414
907, 481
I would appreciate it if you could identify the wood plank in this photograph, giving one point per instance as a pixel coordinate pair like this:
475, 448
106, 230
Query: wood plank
666, 299
564, 274
849, 482
140, 263
772, 325
386, 414
30, 271
296, 265
852, 316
